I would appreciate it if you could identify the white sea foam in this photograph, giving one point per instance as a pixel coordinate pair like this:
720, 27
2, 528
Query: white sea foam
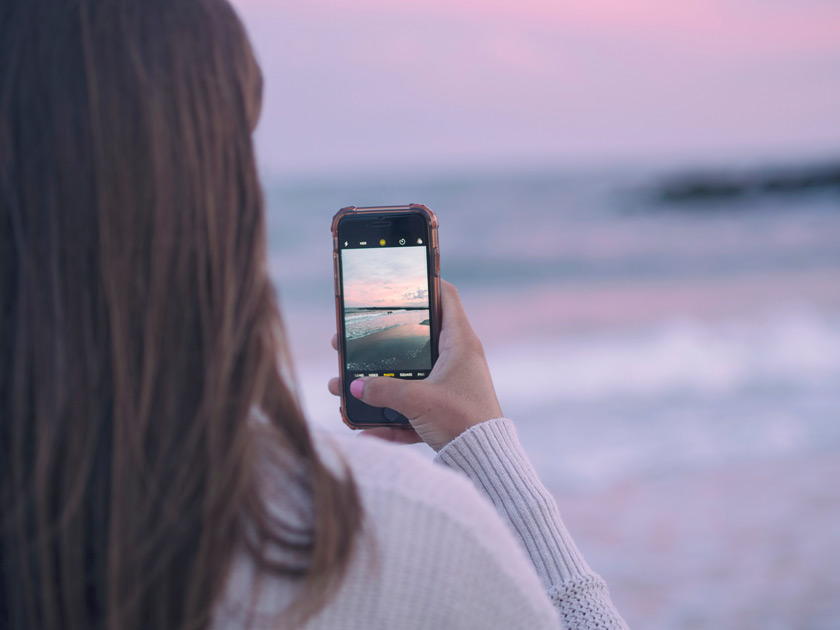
362, 323
714, 358
685, 394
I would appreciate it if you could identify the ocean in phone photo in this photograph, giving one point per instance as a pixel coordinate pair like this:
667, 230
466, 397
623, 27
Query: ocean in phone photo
667, 339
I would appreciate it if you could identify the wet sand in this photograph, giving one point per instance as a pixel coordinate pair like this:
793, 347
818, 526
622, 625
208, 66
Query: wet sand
403, 347
747, 546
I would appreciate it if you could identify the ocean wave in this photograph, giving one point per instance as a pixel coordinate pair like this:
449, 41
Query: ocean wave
363, 323
710, 358
684, 396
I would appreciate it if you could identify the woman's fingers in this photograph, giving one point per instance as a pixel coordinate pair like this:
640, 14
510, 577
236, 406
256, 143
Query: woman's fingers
455, 321
405, 396
334, 386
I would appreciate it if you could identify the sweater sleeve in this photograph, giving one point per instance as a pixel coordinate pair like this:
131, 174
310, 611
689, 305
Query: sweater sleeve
491, 455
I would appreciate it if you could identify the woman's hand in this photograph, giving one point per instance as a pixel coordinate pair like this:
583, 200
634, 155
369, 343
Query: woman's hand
457, 394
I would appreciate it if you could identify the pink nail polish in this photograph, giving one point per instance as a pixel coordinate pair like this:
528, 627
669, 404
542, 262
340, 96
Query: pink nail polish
356, 387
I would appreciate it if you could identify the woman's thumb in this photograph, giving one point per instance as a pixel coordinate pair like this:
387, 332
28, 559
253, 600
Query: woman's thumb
385, 391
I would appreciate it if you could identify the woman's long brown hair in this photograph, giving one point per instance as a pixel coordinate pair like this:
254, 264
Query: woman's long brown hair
140, 393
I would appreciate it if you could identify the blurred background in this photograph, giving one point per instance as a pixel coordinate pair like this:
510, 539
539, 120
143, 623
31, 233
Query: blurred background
639, 201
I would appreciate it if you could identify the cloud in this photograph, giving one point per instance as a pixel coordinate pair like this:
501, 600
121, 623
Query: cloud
419, 294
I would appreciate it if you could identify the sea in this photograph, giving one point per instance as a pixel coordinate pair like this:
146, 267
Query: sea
672, 364
627, 334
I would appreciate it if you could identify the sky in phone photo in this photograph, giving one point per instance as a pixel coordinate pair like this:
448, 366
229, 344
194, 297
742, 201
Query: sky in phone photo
386, 277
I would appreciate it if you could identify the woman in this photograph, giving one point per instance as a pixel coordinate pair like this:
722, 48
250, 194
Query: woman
155, 468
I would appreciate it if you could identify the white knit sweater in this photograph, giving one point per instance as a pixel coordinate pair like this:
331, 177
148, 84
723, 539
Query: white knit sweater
435, 553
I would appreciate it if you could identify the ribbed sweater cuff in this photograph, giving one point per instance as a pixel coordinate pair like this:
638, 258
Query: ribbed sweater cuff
491, 455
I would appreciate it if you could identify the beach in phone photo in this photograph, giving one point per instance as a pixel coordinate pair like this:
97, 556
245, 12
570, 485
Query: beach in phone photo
388, 339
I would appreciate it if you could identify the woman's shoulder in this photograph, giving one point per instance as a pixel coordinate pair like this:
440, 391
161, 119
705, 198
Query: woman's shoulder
432, 552
435, 541
381, 467
364, 454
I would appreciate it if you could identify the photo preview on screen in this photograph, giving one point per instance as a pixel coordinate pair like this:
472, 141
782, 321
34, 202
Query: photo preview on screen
386, 311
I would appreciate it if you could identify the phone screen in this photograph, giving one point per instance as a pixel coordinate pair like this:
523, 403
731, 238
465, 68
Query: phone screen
387, 302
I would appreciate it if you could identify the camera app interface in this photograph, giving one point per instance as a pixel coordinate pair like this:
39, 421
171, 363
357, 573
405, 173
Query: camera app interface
386, 309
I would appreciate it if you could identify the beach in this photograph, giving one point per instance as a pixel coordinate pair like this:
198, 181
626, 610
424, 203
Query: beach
672, 372
752, 545
401, 347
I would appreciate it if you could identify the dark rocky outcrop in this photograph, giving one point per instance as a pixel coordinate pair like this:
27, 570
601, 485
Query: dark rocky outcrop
708, 186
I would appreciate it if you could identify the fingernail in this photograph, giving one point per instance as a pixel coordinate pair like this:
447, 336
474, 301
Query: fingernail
357, 387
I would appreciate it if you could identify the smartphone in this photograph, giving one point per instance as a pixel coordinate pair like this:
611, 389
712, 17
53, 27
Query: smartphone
387, 301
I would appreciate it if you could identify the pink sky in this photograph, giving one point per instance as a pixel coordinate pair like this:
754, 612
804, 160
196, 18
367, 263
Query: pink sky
391, 276
368, 84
